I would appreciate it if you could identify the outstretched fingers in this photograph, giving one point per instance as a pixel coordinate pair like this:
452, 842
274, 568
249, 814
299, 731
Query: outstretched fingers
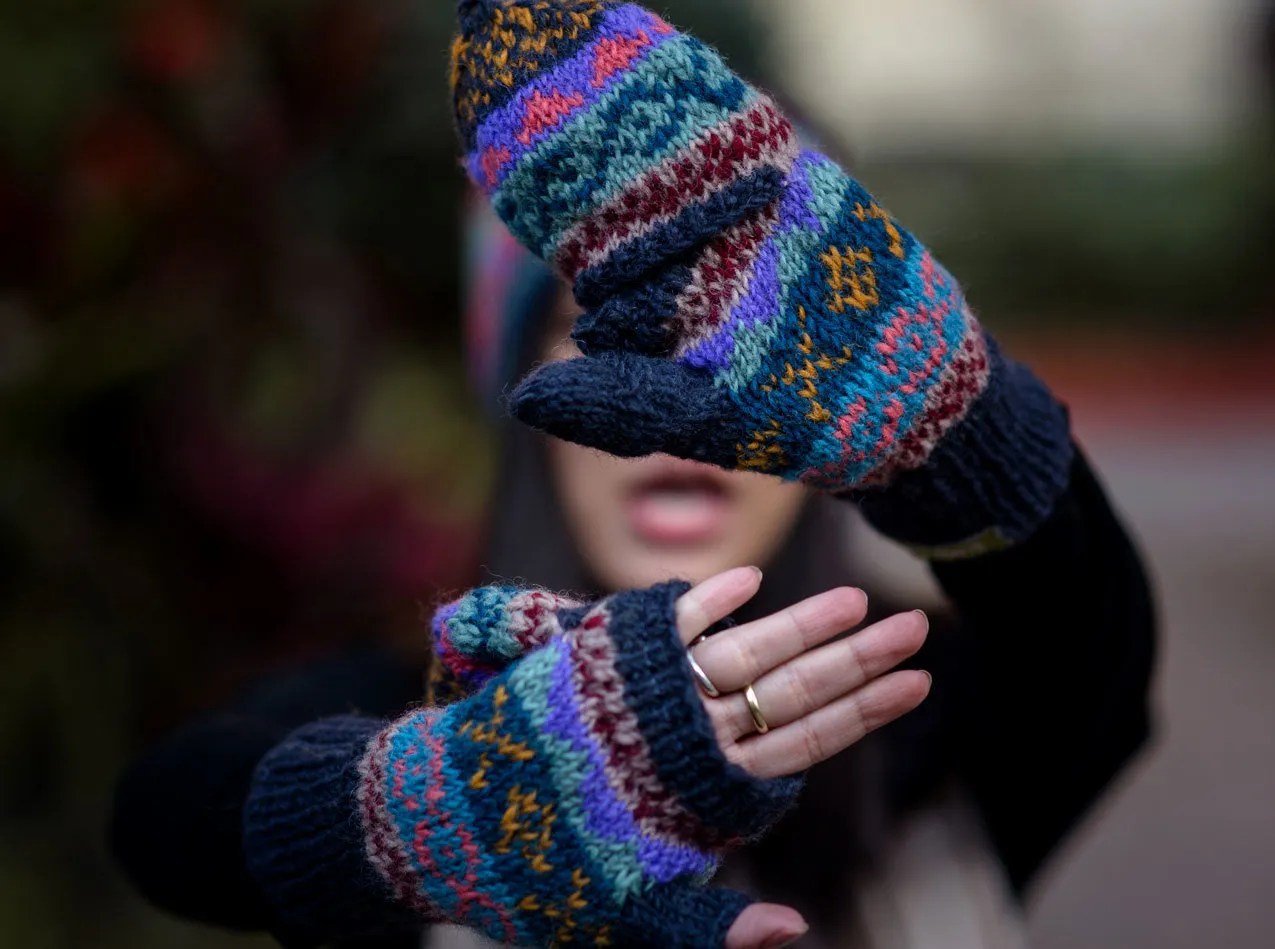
832, 728
710, 602
821, 676
741, 656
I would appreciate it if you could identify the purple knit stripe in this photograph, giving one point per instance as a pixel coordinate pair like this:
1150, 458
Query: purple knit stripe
760, 303
606, 816
616, 729
797, 209
442, 638
762, 298
574, 76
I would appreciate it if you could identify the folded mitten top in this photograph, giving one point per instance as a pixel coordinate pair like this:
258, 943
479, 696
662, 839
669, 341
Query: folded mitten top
607, 141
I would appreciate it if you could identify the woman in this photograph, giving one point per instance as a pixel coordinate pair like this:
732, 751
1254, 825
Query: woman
749, 309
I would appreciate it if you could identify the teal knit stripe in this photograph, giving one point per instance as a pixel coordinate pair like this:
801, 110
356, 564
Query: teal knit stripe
570, 767
457, 876
678, 91
499, 624
386, 848
761, 112
480, 623
798, 254
906, 377
947, 403
609, 835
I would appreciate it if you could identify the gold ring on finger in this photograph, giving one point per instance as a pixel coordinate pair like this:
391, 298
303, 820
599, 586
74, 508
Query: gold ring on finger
754, 709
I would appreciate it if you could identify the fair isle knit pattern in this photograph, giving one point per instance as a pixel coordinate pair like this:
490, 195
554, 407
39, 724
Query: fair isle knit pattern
747, 303
819, 341
604, 139
478, 635
579, 797
846, 349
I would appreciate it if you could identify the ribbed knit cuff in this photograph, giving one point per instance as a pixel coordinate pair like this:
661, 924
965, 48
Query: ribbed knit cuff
731, 803
991, 482
304, 842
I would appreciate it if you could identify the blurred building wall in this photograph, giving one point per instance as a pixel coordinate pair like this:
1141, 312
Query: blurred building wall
980, 75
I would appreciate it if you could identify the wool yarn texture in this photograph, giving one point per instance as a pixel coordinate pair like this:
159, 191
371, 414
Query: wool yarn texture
749, 304
606, 140
576, 795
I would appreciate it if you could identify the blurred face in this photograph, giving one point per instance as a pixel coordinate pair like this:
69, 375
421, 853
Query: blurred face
640, 521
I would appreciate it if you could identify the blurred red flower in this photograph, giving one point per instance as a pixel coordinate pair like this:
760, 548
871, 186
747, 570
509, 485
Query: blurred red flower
122, 155
178, 40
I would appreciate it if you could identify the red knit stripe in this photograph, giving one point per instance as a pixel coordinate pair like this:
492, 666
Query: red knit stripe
721, 273
720, 156
617, 732
385, 849
948, 402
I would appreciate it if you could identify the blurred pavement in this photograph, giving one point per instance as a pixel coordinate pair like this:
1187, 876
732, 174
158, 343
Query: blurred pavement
1182, 856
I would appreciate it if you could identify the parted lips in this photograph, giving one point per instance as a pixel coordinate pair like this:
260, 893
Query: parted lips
607, 141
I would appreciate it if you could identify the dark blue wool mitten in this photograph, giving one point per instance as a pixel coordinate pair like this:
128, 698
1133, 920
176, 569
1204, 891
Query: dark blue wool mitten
579, 796
750, 304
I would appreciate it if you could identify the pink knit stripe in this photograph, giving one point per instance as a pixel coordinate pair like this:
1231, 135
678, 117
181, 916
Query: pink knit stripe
721, 277
437, 818
533, 617
956, 390
462, 666
615, 729
385, 849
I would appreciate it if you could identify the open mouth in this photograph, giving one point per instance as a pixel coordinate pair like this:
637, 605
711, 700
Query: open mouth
680, 504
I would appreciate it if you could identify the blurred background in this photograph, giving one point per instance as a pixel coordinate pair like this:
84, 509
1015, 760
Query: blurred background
235, 429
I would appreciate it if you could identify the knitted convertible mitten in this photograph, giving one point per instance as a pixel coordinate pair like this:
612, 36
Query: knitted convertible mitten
809, 336
579, 796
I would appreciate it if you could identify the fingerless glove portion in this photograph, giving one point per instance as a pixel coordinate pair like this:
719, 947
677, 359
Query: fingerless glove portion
579, 796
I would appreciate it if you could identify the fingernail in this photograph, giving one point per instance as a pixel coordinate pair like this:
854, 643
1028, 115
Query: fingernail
928, 676
757, 570
925, 616
781, 939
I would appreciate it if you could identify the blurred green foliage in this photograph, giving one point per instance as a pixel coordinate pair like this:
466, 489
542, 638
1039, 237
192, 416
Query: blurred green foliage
1159, 241
234, 426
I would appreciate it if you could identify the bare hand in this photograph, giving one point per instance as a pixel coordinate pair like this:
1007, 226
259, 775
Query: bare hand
818, 697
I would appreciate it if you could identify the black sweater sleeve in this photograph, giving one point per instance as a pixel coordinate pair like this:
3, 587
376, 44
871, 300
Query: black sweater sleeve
176, 828
1056, 643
